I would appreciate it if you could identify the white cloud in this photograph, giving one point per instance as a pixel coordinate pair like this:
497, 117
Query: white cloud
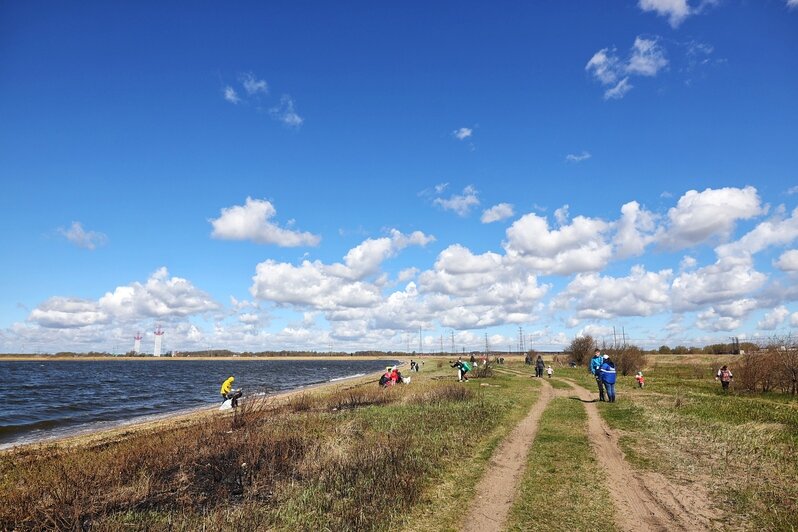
773, 319
336, 286
251, 222
687, 263
774, 232
462, 133
794, 315
739, 308
578, 157
407, 274
605, 66
231, 95
634, 231
160, 297
82, 238
440, 187
793, 190
788, 261
699, 216
646, 58
675, 10
729, 279
497, 213
619, 90
460, 203
253, 85
561, 215
285, 113
577, 247
710, 320
641, 293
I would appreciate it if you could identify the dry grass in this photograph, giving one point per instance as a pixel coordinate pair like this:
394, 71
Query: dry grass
330, 461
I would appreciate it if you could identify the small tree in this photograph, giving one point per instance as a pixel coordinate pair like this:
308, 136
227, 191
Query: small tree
581, 348
664, 350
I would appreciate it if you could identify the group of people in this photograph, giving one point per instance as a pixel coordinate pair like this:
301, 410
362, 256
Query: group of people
603, 369
391, 376
415, 366
540, 367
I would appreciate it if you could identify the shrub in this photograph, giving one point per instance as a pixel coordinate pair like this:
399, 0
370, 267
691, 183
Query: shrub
581, 348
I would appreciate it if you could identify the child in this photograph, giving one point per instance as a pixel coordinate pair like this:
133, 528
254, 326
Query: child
640, 380
549, 371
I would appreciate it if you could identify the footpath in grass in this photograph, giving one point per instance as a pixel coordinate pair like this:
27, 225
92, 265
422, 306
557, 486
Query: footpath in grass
738, 447
356, 458
562, 488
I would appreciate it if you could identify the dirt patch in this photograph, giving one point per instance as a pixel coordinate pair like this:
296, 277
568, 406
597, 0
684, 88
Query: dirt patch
497, 489
643, 500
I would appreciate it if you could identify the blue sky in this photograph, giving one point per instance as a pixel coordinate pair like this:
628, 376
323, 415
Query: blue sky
304, 175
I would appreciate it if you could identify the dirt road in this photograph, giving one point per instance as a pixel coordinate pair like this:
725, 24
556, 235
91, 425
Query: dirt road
497, 489
643, 501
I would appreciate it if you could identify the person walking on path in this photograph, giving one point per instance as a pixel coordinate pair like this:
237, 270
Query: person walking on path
595, 364
539, 367
549, 371
608, 375
725, 377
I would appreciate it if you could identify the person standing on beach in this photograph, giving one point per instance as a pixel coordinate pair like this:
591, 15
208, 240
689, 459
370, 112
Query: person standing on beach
608, 375
595, 364
227, 392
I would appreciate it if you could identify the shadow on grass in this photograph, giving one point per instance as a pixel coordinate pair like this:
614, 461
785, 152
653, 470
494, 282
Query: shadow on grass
583, 400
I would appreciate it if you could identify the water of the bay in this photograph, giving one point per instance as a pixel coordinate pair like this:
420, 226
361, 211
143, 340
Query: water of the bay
54, 398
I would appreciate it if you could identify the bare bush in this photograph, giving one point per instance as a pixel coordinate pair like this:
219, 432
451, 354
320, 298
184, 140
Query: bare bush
628, 359
581, 348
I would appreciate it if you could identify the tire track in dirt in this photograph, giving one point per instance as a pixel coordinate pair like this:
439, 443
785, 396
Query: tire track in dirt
497, 488
643, 501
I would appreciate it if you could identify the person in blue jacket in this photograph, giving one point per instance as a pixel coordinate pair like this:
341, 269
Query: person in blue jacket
595, 365
608, 375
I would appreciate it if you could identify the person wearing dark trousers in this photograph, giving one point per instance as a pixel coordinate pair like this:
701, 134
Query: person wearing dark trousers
595, 365
608, 375
539, 367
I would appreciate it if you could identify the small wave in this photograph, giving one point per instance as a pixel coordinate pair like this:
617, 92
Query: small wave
348, 377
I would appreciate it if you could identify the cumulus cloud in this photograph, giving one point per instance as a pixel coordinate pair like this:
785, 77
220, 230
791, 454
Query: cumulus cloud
710, 320
462, 133
773, 319
251, 221
577, 247
593, 296
159, 297
634, 230
497, 213
728, 279
331, 287
462, 203
777, 231
646, 58
578, 157
699, 216
285, 112
231, 95
788, 261
677, 10
82, 238
561, 215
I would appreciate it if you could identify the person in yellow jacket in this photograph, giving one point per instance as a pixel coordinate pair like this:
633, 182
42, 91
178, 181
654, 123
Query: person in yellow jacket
228, 392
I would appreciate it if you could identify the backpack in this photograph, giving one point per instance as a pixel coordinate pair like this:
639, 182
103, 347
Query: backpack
725, 375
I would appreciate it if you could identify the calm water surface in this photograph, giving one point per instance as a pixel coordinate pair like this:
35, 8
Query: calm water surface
43, 400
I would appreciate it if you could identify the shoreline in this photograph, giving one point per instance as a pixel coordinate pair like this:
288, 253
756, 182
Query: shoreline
100, 436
